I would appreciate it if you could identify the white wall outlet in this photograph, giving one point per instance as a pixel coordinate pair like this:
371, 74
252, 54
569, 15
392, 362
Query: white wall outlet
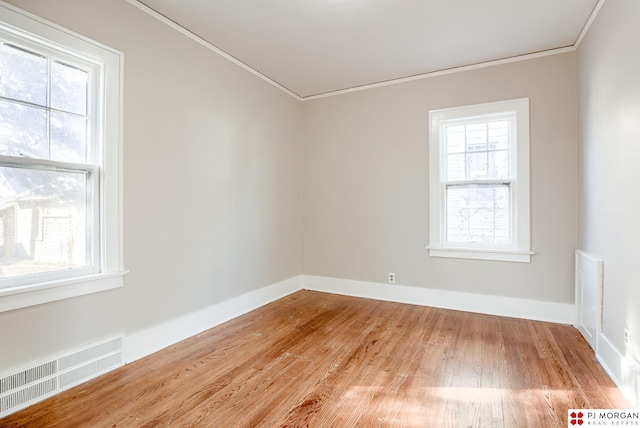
391, 278
627, 336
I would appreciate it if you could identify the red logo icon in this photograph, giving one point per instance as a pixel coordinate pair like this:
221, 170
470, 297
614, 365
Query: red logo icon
576, 418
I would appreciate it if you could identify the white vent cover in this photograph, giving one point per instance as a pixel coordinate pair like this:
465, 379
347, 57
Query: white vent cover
589, 289
41, 380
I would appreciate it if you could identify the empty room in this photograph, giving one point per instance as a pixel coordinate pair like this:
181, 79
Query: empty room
319, 213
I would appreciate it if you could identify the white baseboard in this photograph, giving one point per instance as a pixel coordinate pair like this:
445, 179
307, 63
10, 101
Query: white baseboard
610, 358
142, 343
624, 370
563, 313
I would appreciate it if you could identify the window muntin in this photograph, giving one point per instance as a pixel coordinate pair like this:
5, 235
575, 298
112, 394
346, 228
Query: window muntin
479, 187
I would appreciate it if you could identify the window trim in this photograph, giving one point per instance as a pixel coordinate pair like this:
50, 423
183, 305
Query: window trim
110, 270
520, 250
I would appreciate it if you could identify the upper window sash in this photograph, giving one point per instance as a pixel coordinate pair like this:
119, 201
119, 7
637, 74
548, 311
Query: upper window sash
55, 54
463, 149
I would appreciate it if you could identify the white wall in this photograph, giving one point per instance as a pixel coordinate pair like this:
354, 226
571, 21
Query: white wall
365, 182
609, 203
211, 185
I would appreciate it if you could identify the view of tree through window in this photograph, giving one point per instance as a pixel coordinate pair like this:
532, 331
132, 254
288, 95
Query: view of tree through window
45, 179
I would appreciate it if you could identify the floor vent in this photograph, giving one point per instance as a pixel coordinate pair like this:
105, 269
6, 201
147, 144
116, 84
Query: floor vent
39, 381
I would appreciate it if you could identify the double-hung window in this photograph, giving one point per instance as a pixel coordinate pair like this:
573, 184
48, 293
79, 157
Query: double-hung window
60, 210
479, 182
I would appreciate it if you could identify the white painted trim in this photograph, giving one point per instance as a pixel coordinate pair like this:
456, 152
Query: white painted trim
563, 313
479, 254
142, 343
623, 370
37, 294
586, 267
444, 72
610, 358
592, 17
179, 28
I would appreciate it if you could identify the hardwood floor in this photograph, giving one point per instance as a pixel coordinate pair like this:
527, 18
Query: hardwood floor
321, 360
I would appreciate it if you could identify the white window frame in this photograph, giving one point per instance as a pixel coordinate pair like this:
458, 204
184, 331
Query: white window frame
108, 267
519, 250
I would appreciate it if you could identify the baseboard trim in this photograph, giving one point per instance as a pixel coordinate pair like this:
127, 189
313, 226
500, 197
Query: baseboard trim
624, 370
610, 358
563, 313
145, 342
142, 343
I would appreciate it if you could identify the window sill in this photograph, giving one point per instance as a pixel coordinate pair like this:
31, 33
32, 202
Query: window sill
478, 254
36, 294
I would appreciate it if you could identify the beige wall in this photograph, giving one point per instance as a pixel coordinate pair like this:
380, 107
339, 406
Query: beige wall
211, 185
609, 106
365, 181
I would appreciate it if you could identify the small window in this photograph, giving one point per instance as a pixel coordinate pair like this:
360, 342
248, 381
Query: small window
479, 191
60, 209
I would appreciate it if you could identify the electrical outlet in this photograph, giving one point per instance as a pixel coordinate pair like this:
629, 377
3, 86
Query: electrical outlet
627, 336
391, 278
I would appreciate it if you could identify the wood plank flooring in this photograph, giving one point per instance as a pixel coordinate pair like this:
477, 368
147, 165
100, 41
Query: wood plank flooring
321, 360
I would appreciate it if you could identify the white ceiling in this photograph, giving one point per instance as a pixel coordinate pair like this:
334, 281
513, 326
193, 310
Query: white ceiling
313, 47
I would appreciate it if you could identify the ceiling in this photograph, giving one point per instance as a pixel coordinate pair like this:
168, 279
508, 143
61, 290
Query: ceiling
313, 47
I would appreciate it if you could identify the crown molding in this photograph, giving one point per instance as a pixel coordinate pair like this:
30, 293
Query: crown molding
444, 72
179, 28
146, 9
586, 27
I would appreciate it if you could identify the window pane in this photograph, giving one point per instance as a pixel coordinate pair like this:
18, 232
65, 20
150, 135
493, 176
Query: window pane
476, 137
455, 139
23, 131
498, 164
68, 88
455, 167
476, 165
24, 75
478, 215
499, 135
43, 216
68, 137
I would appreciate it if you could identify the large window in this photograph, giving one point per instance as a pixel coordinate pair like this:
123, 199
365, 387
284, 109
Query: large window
479, 172
60, 210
